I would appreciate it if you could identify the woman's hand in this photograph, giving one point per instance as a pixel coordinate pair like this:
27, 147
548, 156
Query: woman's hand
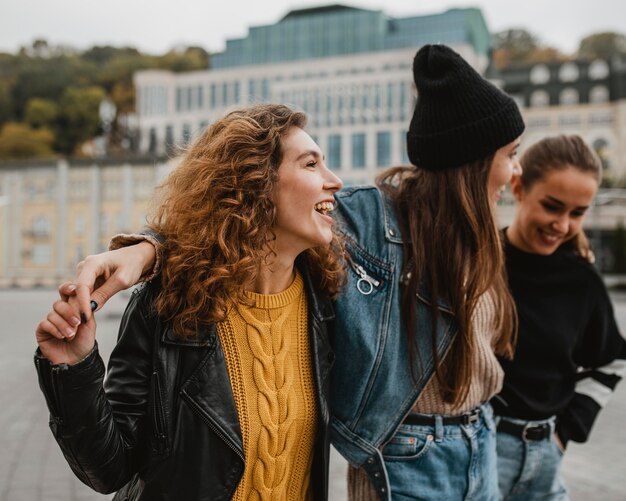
101, 276
62, 337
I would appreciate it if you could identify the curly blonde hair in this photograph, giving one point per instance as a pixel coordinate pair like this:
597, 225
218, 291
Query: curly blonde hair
216, 214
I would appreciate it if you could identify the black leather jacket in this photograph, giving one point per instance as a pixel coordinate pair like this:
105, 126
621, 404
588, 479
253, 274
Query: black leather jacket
164, 426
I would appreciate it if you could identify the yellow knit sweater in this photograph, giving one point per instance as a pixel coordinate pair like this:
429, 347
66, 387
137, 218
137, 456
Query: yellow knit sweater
269, 365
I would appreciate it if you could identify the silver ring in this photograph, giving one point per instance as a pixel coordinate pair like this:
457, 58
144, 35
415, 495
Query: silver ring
365, 291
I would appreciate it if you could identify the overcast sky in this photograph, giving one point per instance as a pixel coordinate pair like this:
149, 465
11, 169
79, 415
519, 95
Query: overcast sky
155, 26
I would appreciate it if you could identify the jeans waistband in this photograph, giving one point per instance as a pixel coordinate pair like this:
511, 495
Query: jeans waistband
429, 420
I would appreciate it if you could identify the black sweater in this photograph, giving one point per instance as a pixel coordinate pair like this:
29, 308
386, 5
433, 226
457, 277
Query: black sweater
570, 354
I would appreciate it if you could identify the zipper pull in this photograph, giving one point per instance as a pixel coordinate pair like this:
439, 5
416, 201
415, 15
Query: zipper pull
365, 284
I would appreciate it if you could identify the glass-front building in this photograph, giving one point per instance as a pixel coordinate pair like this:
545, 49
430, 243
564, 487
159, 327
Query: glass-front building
349, 69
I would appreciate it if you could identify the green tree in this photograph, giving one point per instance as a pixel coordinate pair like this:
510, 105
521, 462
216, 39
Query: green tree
78, 119
20, 141
41, 113
602, 45
515, 39
189, 59
517, 45
5, 102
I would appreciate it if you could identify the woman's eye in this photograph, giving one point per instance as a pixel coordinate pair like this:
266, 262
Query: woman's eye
312, 164
550, 208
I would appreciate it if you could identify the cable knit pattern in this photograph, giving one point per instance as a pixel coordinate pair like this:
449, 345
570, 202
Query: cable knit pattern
269, 365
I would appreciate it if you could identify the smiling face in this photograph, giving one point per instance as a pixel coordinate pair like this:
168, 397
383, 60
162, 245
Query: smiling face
551, 210
303, 196
504, 165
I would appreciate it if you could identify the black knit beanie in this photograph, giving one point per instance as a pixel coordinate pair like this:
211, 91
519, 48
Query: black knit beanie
459, 117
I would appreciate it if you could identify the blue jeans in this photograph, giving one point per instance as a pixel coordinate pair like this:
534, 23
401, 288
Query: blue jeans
529, 470
451, 462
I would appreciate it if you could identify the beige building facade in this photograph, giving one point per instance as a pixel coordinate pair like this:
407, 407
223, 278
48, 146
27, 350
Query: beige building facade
54, 214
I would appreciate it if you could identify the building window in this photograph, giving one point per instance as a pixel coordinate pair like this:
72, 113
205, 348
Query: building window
334, 151
225, 94
358, 150
169, 139
569, 120
41, 226
539, 98
265, 89
601, 118
405, 103
42, 254
329, 108
252, 97
568, 72
383, 149
152, 140
568, 96
186, 133
538, 122
599, 94
390, 101
540, 74
200, 96
79, 224
404, 156
598, 69
179, 99
213, 95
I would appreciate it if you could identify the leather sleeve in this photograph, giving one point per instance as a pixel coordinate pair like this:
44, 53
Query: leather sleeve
100, 428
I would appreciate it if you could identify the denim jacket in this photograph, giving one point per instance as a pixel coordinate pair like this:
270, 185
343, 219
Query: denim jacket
372, 388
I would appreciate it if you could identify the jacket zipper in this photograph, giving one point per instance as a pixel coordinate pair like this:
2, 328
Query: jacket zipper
364, 278
159, 418
55, 391
198, 410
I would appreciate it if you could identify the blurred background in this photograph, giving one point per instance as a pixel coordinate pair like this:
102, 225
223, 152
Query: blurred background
97, 100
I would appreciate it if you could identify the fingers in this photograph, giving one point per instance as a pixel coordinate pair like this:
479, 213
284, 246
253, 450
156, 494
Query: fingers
66, 289
64, 318
114, 284
46, 329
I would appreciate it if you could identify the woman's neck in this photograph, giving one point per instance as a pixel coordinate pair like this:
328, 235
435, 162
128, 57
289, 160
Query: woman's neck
274, 277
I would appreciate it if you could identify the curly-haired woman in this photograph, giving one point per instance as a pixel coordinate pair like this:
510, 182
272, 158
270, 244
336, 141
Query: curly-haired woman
218, 385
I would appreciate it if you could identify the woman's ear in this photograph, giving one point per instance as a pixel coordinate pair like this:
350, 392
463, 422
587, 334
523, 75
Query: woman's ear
517, 188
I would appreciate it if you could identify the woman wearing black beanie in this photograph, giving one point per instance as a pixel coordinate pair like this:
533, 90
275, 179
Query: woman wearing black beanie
425, 308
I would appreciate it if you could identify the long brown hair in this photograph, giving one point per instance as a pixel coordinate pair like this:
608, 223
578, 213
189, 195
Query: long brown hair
216, 215
453, 246
560, 153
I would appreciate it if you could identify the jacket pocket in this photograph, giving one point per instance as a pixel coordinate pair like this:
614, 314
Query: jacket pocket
159, 427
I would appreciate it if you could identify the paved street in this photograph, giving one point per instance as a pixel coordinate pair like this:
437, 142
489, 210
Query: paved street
33, 469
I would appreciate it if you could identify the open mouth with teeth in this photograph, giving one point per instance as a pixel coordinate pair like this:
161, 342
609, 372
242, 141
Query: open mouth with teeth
324, 207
